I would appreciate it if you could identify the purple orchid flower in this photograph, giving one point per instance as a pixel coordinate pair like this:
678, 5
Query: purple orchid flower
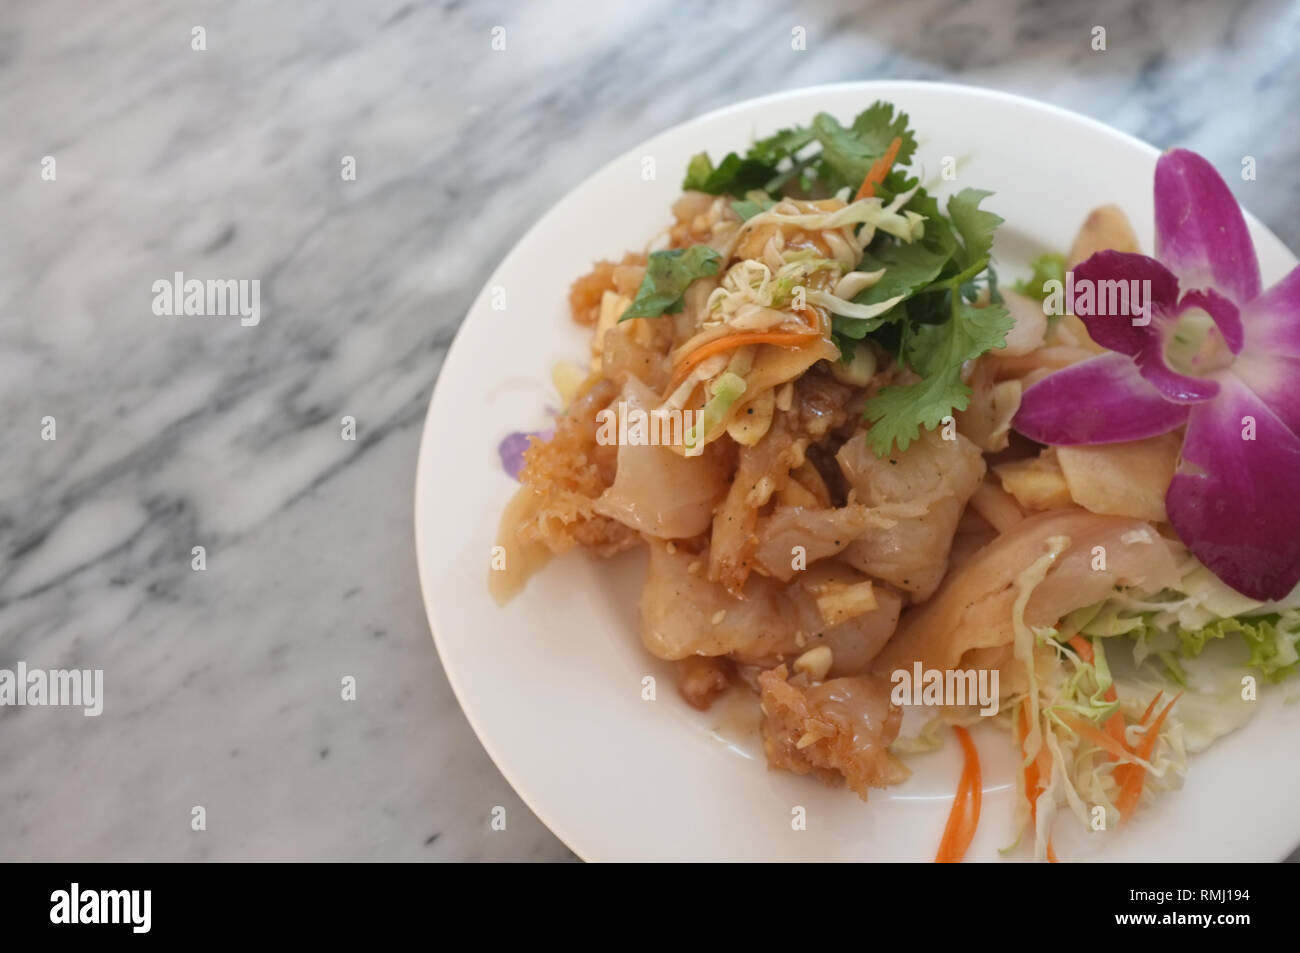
512, 447
1217, 356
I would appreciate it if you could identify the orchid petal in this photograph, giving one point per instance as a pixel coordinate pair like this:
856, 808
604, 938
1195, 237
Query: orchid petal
1275, 379
512, 448
1235, 506
1200, 231
1225, 314
1114, 320
1135, 324
1274, 317
1173, 386
1101, 400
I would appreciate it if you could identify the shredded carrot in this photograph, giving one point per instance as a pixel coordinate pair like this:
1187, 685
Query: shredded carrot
965, 814
1150, 708
1131, 789
1115, 723
720, 345
814, 317
1123, 771
1116, 749
1033, 772
1083, 647
879, 169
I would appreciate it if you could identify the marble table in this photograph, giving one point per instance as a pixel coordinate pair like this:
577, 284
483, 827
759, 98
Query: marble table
216, 140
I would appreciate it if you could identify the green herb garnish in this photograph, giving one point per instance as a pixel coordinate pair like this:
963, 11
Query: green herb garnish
667, 276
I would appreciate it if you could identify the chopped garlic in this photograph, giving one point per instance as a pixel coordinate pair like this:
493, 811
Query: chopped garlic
752, 421
567, 377
809, 738
838, 602
761, 492
815, 663
860, 368
612, 306
1037, 484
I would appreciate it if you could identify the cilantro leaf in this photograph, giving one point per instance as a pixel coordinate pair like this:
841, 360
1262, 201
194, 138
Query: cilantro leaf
782, 145
939, 236
848, 154
734, 175
845, 159
973, 224
747, 208
898, 412
991, 274
935, 327
908, 269
936, 352
698, 171
850, 328
846, 344
878, 125
667, 276
970, 333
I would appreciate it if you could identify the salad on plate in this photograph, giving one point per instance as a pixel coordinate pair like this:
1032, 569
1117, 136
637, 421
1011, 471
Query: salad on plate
870, 477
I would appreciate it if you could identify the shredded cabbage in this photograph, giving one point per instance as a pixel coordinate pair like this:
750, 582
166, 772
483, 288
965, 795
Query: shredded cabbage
850, 309
726, 390
1173, 628
906, 226
1063, 686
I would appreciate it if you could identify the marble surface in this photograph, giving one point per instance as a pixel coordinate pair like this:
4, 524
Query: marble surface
223, 686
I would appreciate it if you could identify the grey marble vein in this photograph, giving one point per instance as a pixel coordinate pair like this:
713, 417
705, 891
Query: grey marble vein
223, 686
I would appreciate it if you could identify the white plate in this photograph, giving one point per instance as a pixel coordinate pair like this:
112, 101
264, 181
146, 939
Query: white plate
552, 683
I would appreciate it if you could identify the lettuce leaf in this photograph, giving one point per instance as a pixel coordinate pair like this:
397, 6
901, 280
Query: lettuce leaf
1272, 640
1045, 268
